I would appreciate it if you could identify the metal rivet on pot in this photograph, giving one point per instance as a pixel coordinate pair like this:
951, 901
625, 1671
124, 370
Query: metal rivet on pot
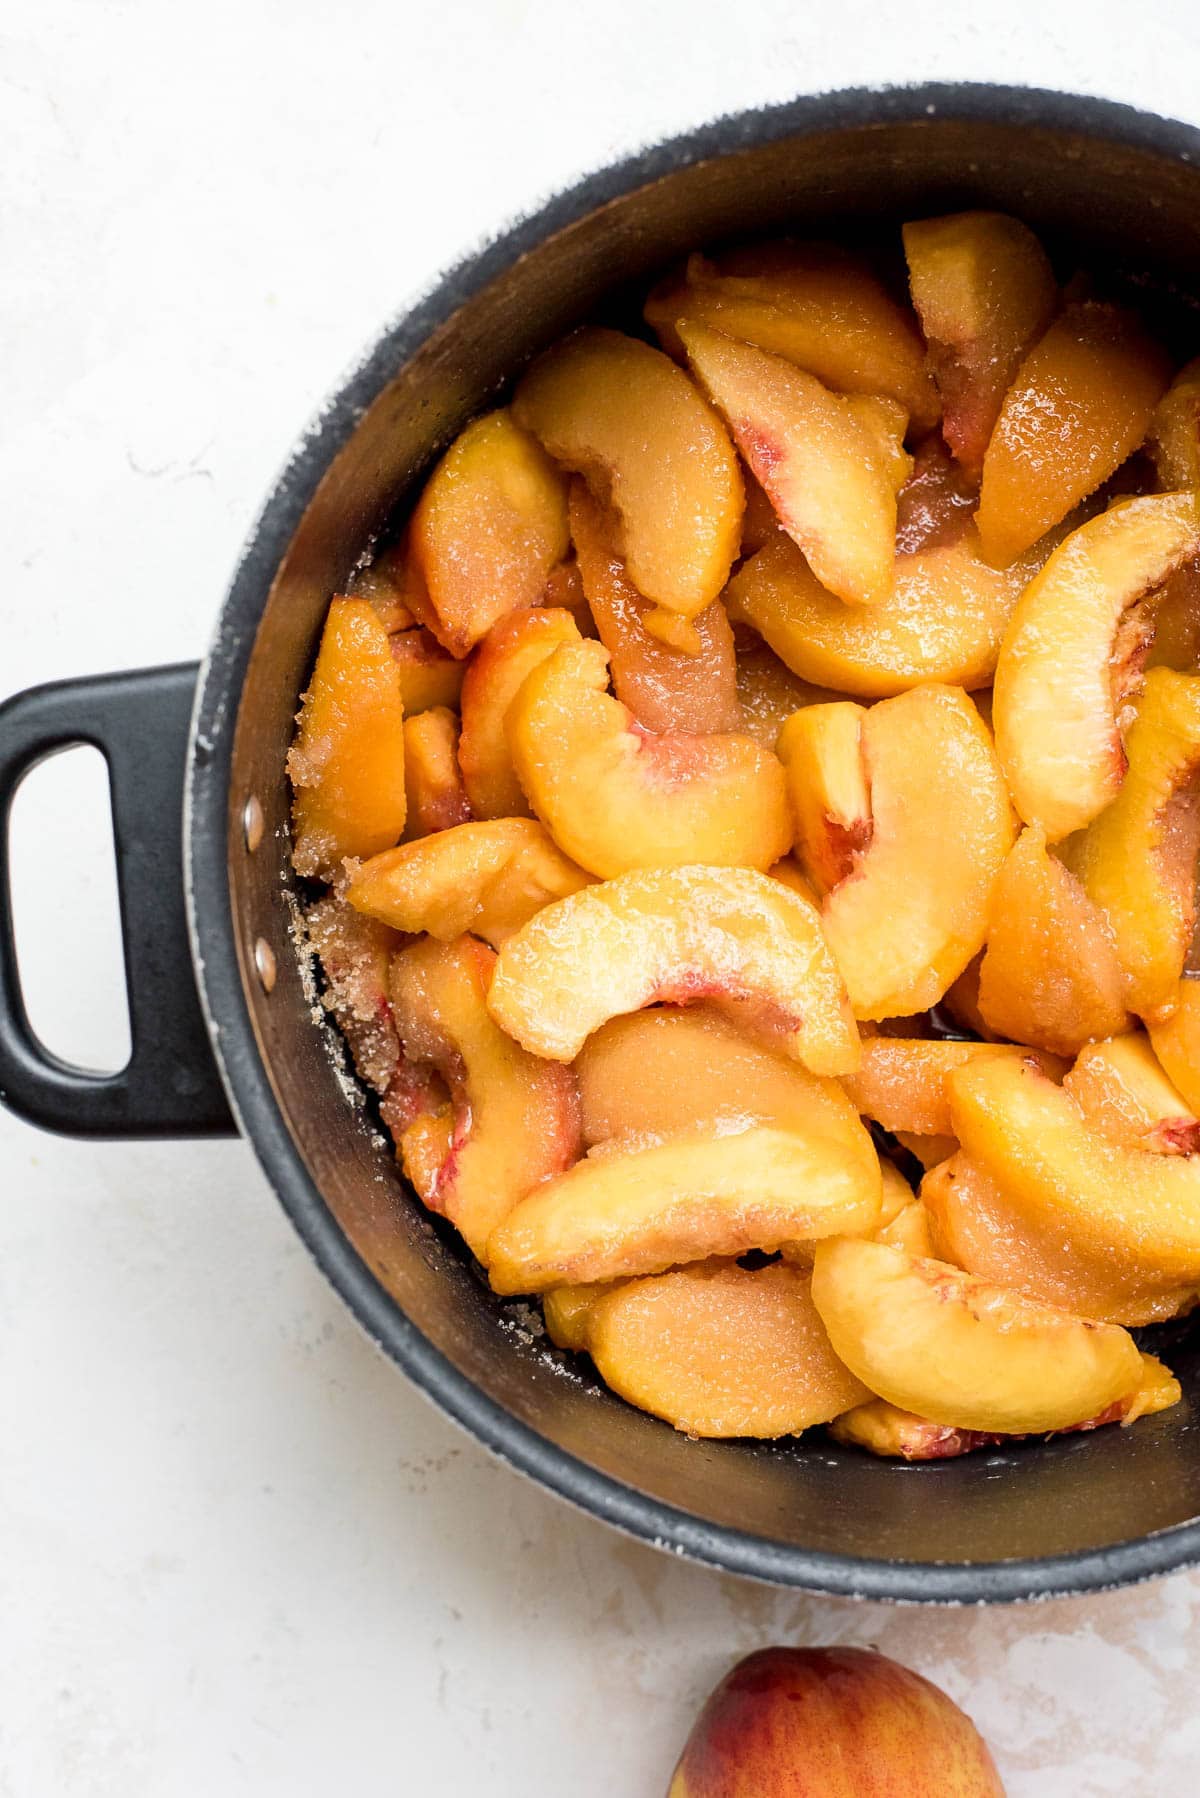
252, 823
264, 962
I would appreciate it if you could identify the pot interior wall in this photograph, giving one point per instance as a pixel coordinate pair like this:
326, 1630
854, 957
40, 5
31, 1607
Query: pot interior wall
1127, 208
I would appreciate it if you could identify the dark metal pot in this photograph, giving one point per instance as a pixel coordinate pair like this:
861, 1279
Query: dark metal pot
1071, 1515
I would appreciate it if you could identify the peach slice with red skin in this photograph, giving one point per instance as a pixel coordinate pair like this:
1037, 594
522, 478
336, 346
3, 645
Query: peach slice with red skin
621, 414
429, 674
959, 1351
831, 469
719, 1350
355, 953
516, 1119
666, 689
630, 1211
347, 761
984, 292
1122, 1090
670, 936
911, 908
615, 797
1137, 860
488, 878
494, 677
436, 797
1176, 1040
1174, 434
1050, 974
901, 1081
821, 748
489, 526
1080, 402
1060, 683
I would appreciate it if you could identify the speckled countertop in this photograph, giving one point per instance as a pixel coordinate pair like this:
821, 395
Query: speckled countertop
238, 1554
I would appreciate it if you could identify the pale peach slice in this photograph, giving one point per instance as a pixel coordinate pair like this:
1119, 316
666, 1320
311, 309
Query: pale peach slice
1174, 434
668, 936
429, 674
436, 797
1058, 695
984, 292
813, 304
832, 472
1050, 974
1079, 404
959, 1351
516, 1119
896, 1198
1137, 860
347, 761
354, 953
1176, 1040
490, 525
721, 1350
615, 797
497, 670
665, 689
821, 748
641, 1211
621, 414
1123, 1092
944, 620
487, 878
912, 910
1142, 1211
901, 1081
768, 691
908, 1230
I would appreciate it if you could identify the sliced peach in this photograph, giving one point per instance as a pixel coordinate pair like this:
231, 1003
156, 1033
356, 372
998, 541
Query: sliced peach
437, 799
347, 761
984, 292
1176, 616
960, 1001
621, 414
721, 1350
1176, 1041
1061, 682
896, 1198
1137, 860
566, 1309
516, 1119
429, 674
769, 692
788, 872
930, 1151
1050, 974
667, 936
510, 651
901, 1081
937, 1341
639, 1211
814, 305
614, 797
564, 592
665, 689
821, 749
490, 525
832, 472
760, 520
354, 953
908, 1230
486, 878
1174, 435
935, 505
388, 584
1124, 1093
1139, 1210
1079, 404
944, 621
415, 1109
912, 907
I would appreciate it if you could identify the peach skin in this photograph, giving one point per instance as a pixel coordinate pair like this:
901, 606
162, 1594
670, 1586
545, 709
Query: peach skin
436, 797
614, 797
667, 936
1061, 680
511, 650
621, 414
355, 953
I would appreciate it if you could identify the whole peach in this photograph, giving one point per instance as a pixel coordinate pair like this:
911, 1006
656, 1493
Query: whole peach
831, 1723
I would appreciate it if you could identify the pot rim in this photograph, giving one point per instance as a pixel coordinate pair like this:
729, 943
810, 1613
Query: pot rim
213, 928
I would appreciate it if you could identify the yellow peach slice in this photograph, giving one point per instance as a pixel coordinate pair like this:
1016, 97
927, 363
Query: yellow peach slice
667, 936
566, 1309
621, 414
832, 472
959, 1351
614, 797
1176, 617
497, 670
1174, 434
516, 1119
564, 592
1176, 1041
355, 953
944, 620
814, 305
1123, 1092
486, 878
490, 525
912, 910
665, 689
768, 692
720, 1350
821, 748
347, 761
1056, 703
1079, 404
436, 797
901, 1081
930, 1151
984, 292
1137, 860
908, 1230
896, 1198
1050, 974
640, 1211
429, 674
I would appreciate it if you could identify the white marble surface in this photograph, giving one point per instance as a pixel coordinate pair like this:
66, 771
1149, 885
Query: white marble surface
238, 1554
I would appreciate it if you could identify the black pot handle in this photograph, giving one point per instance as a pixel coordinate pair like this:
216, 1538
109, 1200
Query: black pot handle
140, 723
